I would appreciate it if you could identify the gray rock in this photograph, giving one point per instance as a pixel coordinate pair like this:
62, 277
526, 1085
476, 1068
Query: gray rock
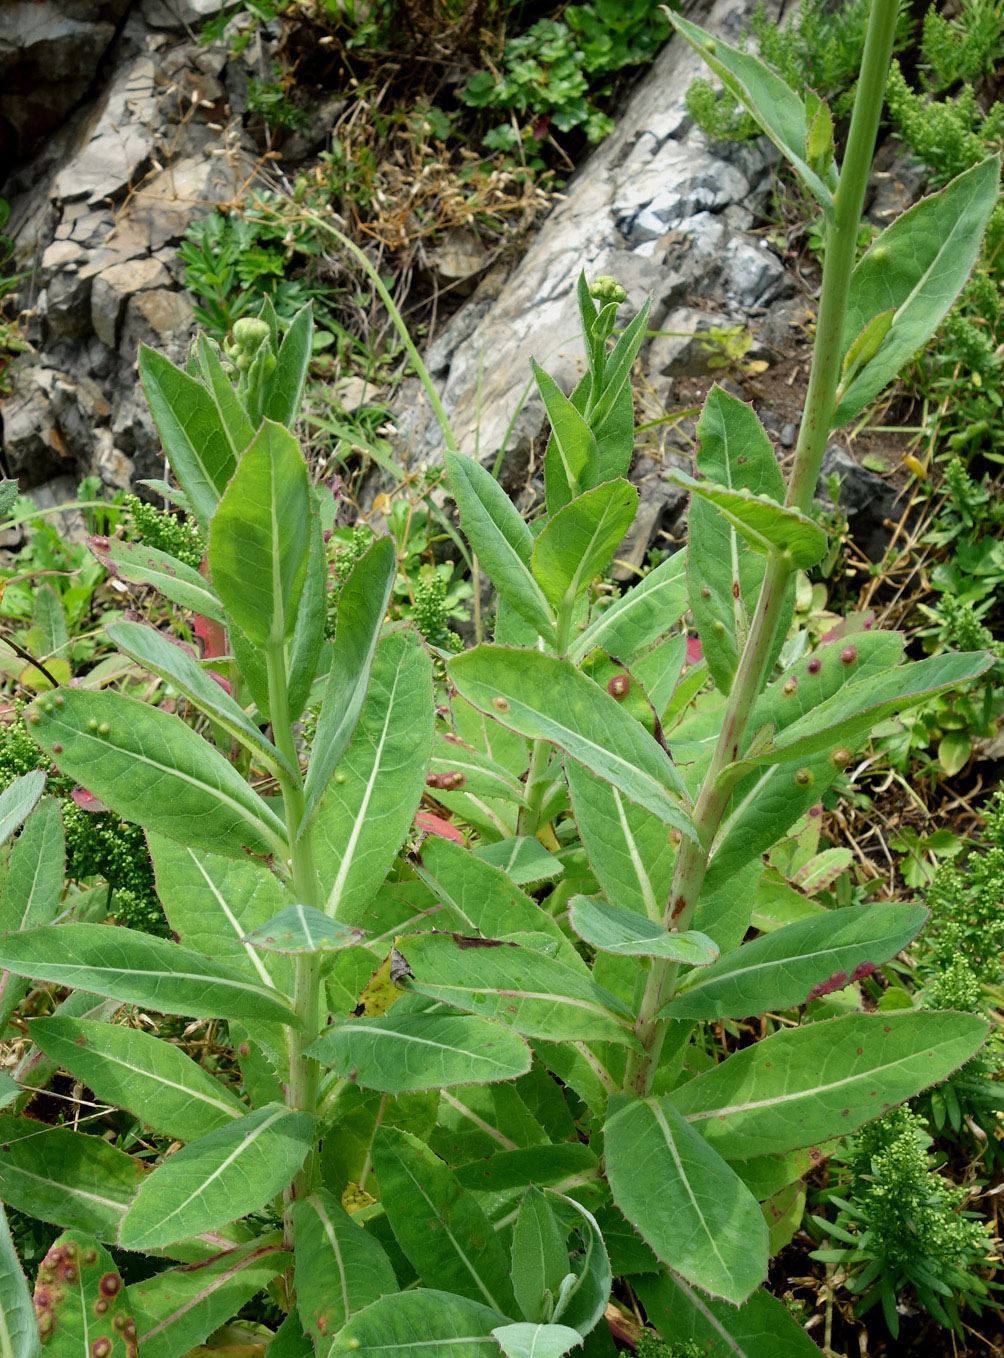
865, 498
33, 445
161, 318
680, 351
117, 140
751, 272
49, 51
112, 289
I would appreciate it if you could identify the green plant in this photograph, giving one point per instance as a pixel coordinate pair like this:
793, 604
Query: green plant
271, 98
966, 46
901, 1224
463, 1064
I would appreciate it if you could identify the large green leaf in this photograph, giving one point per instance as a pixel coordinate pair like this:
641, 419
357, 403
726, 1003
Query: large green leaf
628, 848
536, 994
399, 1053
259, 540
762, 1328
770, 528
441, 1228
151, 767
536, 1341
66, 1177
130, 1068
546, 698
640, 616
142, 565
284, 388
768, 97
303, 929
175, 1311
362, 603
584, 1303
213, 1181
854, 710
793, 964
611, 929
212, 903
156, 652
500, 538
18, 1327
916, 268
31, 889
307, 643
683, 1199
339, 1268
367, 808
137, 968
805, 1085
196, 443
579, 541
426, 1323
724, 577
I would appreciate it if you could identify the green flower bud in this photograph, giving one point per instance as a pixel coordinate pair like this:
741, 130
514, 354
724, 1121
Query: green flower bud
607, 289
249, 333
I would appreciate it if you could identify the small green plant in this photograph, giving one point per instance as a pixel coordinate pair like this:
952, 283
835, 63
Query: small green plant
900, 1223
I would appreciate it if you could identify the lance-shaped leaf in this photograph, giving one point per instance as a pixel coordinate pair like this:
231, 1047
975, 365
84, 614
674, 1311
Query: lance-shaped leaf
624, 933
583, 1302
259, 540
917, 267
69, 1178
424, 1322
580, 539
303, 929
536, 1341
604, 400
17, 801
523, 859
478, 773
80, 1301
18, 1326
537, 995
797, 963
854, 710
339, 1268
640, 616
233, 417
724, 577
362, 603
768, 97
196, 443
176, 1310
566, 1162
683, 1199
212, 903
805, 1085
762, 1328
213, 1181
142, 565
151, 767
547, 698
367, 808
539, 1257
160, 655
481, 897
572, 457
628, 848
284, 388
441, 1228
130, 1068
138, 968
771, 529
31, 889
307, 641
502, 541
400, 1053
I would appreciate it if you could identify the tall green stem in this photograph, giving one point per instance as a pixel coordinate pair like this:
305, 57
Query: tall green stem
839, 252
301, 1091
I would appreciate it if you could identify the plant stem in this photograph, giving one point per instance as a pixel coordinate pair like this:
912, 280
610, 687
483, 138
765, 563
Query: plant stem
536, 785
751, 675
301, 1091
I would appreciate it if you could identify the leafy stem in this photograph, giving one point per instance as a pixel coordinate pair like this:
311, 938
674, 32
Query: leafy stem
839, 256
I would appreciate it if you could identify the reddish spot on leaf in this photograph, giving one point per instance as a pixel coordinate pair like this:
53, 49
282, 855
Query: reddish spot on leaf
695, 652
87, 800
836, 981
435, 825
